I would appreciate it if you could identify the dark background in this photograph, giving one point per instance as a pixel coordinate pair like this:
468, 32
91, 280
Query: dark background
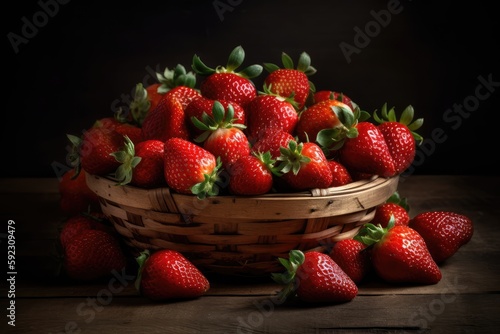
83, 62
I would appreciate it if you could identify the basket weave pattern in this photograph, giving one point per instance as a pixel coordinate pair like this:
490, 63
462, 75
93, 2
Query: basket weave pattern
239, 235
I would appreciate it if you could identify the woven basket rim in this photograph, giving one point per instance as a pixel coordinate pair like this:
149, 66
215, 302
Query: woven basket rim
356, 196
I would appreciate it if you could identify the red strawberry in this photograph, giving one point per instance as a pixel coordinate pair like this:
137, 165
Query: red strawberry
222, 137
367, 152
154, 94
252, 174
291, 82
340, 174
76, 224
95, 150
317, 117
144, 100
400, 136
75, 196
399, 254
141, 164
201, 105
272, 140
444, 232
396, 207
167, 274
315, 278
270, 111
179, 83
92, 255
189, 168
323, 95
122, 127
304, 166
225, 83
353, 257
165, 121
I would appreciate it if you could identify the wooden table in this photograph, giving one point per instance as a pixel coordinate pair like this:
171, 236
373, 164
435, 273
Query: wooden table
466, 300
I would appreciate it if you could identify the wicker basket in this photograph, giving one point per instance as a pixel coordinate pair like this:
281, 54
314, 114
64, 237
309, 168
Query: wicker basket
236, 235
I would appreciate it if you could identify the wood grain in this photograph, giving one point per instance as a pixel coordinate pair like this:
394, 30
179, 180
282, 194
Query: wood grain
466, 300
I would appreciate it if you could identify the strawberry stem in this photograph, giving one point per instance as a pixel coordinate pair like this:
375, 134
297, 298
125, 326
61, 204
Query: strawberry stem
141, 261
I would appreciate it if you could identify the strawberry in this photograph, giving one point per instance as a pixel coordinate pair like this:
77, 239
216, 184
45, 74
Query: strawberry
224, 82
75, 195
252, 174
367, 152
340, 174
323, 95
190, 169
167, 274
353, 257
201, 105
165, 121
121, 126
272, 140
317, 117
291, 82
304, 166
154, 95
78, 223
314, 278
95, 150
144, 100
141, 164
270, 111
221, 136
400, 135
92, 255
179, 83
396, 207
399, 254
444, 232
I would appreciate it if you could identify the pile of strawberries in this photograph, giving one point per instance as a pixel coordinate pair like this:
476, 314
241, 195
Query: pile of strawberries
226, 137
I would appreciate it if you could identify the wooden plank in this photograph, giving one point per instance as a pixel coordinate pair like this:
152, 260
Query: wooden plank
104, 313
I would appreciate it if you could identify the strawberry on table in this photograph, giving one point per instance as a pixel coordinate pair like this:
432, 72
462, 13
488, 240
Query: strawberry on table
400, 135
190, 169
399, 254
353, 257
395, 206
75, 196
444, 232
225, 82
78, 223
290, 81
314, 278
92, 255
221, 136
141, 164
167, 274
